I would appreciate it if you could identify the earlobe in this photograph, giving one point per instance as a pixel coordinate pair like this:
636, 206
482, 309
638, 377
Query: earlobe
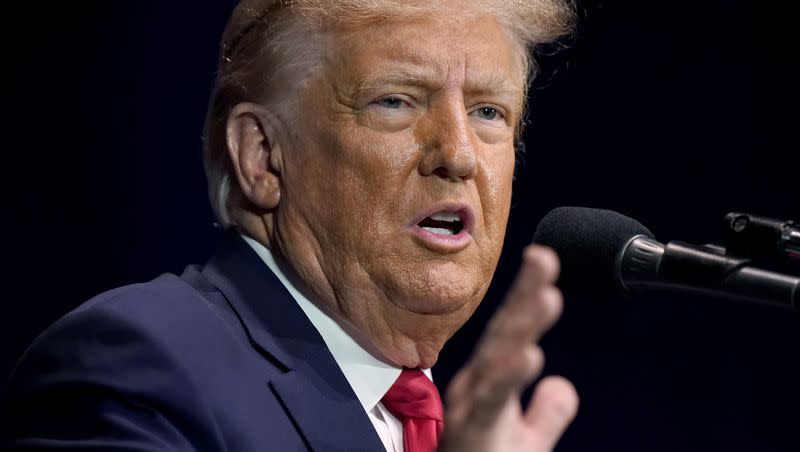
255, 153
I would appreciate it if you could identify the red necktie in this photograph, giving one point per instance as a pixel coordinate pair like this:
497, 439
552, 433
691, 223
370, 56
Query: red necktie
415, 401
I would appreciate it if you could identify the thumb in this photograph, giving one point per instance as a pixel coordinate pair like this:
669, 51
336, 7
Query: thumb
553, 406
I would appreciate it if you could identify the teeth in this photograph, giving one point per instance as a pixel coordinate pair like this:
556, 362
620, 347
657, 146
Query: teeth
446, 216
440, 231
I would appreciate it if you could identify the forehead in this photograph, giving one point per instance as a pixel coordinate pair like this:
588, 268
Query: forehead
474, 51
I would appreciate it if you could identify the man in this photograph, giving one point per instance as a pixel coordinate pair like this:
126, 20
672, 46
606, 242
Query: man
360, 155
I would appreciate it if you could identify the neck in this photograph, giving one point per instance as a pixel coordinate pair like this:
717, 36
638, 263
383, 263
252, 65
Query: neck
383, 328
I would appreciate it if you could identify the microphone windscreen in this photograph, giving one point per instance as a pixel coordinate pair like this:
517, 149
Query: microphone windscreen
588, 243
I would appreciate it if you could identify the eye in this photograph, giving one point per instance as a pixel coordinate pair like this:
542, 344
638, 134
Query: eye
390, 102
488, 113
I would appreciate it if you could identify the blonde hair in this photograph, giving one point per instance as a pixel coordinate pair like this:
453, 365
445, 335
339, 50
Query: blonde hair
263, 57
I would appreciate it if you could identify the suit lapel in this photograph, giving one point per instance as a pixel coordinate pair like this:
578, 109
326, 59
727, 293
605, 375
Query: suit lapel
313, 389
329, 421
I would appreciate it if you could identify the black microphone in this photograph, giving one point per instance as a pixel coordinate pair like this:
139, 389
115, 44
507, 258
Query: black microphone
753, 236
606, 253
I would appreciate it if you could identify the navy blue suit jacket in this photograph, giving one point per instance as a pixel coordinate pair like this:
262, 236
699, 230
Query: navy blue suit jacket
218, 359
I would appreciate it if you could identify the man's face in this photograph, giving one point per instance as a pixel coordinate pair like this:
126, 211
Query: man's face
398, 183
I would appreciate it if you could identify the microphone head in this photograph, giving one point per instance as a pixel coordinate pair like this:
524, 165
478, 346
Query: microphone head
589, 243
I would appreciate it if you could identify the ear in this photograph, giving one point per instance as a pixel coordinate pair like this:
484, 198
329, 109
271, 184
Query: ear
252, 134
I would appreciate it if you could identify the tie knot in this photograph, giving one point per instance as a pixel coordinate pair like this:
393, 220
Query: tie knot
413, 395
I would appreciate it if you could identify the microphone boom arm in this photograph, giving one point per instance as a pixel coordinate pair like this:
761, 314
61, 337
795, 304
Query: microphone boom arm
645, 263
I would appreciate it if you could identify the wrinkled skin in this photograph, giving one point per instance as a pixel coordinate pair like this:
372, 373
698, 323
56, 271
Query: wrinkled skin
392, 127
400, 121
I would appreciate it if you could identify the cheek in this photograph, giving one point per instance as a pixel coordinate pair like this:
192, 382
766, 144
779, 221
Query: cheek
385, 157
499, 177
385, 173
380, 164
363, 176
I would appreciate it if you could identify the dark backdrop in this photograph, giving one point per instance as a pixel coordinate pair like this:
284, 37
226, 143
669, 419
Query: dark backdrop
673, 113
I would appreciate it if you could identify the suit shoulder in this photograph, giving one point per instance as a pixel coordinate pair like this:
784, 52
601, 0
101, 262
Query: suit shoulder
127, 357
165, 294
168, 307
165, 322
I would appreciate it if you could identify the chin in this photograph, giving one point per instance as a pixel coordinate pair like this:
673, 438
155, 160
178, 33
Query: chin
435, 306
442, 294
424, 362
420, 355
443, 288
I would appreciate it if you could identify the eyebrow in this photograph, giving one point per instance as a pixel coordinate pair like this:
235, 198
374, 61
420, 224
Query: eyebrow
426, 77
407, 75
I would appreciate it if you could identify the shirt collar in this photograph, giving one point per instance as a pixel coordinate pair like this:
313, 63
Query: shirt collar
369, 377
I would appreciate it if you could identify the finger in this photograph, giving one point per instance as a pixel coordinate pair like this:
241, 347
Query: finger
458, 397
489, 380
540, 267
544, 263
507, 359
533, 304
495, 385
553, 406
526, 319
531, 307
539, 271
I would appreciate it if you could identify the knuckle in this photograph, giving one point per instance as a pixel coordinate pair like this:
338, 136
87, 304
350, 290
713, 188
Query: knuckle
552, 303
535, 359
543, 262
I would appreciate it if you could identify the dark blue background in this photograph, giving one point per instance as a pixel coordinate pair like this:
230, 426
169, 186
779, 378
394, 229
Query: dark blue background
674, 113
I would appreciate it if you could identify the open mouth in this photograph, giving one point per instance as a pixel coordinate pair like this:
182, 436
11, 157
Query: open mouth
443, 223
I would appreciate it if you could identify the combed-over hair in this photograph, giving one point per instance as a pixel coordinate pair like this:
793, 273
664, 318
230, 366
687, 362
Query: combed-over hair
264, 55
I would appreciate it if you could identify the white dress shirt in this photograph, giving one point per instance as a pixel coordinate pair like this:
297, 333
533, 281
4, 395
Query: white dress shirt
369, 377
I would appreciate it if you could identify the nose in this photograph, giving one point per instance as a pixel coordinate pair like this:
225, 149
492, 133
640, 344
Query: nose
448, 142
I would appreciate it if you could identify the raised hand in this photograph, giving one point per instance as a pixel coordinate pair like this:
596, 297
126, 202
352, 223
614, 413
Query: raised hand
482, 407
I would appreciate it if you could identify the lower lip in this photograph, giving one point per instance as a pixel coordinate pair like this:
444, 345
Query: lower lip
443, 242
